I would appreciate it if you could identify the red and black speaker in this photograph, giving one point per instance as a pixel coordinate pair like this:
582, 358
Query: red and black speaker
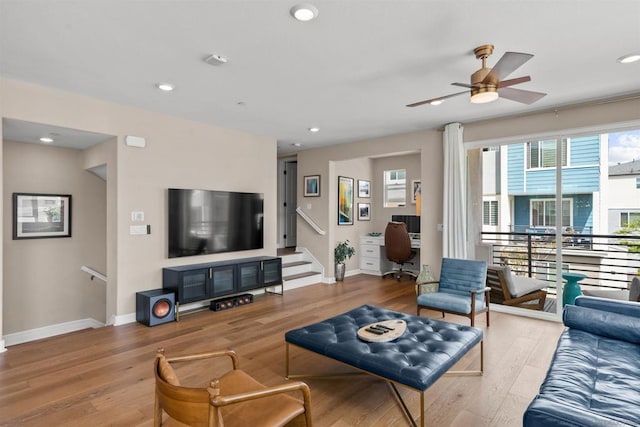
155, 307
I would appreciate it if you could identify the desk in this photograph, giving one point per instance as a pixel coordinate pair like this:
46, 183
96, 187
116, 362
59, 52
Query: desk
373, 258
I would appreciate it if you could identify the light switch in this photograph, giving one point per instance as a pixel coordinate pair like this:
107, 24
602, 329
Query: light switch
137, 216
308, 206
137, 229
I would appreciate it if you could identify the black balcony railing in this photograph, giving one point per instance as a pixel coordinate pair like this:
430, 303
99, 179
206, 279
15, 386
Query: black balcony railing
607, 261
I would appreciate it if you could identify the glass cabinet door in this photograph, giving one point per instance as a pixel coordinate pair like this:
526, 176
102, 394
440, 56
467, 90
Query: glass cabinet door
222, 280
249, 276
194, 285
272, 272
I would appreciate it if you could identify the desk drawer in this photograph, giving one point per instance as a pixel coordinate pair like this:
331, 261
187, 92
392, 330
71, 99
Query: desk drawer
377, 241
371, 251
368, 263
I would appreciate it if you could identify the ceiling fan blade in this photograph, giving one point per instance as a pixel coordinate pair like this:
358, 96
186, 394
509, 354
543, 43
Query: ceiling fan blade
462, 85
440, 98
519, 95
512, 82
509, 62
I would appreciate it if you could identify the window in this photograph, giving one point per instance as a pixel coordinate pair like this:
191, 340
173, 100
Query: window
542, 154
637, 182
395, 188
626, 218
490, 212
543, 213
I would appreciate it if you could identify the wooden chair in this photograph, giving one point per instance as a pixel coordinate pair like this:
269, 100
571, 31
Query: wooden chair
461, 290
515, 291
234, 399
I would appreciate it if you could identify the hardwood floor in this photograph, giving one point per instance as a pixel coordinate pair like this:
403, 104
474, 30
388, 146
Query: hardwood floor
104, 376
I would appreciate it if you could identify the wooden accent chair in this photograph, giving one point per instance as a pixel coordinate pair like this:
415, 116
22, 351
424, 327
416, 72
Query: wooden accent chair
461, 290
397, 245
515, 291
234, 399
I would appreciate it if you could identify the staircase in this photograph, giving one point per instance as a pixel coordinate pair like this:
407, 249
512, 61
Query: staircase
299, 269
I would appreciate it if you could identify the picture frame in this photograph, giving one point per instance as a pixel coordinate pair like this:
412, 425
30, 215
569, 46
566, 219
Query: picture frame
345, 200
364, 211
364, 189
41, 216
416, 188
312, 186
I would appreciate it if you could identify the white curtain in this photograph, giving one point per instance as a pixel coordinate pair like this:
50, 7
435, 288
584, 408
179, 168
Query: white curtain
454, 236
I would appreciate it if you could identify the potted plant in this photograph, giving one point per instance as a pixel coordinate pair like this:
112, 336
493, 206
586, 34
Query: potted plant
341, 253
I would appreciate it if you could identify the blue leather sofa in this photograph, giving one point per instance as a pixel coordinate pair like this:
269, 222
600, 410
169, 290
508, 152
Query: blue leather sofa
594, 377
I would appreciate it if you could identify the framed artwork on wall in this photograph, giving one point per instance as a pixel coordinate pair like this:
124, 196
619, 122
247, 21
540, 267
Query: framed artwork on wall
39, 216
364, 189
345, 200
312, 186
416, 188
364, 211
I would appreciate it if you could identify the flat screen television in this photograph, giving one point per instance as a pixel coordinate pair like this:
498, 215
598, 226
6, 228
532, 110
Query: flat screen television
208, 222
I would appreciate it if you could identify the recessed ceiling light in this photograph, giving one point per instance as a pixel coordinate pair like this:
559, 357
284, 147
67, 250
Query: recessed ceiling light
628, 59
46, 139
297, 144
166, 87
304, 12
314, 129
436, 102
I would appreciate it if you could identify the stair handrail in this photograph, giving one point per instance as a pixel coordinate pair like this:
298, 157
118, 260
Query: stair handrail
311, 222
93, 273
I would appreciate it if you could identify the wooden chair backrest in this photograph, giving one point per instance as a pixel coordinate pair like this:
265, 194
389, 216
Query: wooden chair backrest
187, 405
498, 284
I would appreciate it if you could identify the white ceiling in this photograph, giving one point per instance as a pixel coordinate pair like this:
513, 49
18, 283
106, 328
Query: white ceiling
350, 72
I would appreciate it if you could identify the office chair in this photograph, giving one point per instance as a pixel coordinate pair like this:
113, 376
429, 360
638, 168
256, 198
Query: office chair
397, 244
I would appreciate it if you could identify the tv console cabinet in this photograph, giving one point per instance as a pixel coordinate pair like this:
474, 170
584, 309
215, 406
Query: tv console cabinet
202, 282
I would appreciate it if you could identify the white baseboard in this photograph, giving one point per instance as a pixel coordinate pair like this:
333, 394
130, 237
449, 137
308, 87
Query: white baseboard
2, 347
123, 319
49, 331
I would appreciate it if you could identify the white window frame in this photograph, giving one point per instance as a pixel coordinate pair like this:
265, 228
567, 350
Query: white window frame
490, 213
628, 214
541, 150
396, 185
550, 200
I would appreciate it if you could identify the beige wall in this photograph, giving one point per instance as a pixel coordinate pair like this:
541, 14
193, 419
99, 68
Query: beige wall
179, 153
43, 283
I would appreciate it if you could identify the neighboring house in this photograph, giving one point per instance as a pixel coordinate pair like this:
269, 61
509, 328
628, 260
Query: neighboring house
531, 186
623, 195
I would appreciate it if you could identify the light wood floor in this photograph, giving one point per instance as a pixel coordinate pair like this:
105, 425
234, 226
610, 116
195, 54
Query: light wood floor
104, 376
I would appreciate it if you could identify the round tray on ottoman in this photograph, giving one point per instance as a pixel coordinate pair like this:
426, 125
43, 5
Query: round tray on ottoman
383, 331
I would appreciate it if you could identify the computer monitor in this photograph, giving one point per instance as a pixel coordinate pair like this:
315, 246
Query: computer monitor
412, 221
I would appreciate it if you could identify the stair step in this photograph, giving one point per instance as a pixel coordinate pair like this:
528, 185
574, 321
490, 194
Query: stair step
301, 275
295, 264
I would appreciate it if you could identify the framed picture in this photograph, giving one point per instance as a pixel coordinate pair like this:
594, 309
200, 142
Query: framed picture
416, 189
312, 186
38, 216
364, 189
345, 201
364, 211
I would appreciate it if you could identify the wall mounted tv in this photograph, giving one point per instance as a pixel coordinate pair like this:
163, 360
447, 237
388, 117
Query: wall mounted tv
208, 222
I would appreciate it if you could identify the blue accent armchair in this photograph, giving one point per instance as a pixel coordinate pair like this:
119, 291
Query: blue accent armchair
461, 289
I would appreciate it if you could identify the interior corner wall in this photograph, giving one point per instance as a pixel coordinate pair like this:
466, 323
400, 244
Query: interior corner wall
43, 283
2, 343
179, 153
325, 161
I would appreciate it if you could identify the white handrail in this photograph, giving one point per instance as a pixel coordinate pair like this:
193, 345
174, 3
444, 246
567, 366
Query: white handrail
91, 272
311, 222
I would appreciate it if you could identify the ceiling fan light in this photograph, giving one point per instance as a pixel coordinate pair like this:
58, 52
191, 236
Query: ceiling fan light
436, 102
484, 97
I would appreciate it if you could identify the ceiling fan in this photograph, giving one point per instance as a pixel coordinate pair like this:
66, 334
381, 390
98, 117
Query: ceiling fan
487, 84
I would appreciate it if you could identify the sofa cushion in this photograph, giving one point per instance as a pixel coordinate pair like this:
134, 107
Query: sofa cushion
604, 323
592, 381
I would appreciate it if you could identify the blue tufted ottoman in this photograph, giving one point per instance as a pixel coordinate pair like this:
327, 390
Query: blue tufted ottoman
427, 349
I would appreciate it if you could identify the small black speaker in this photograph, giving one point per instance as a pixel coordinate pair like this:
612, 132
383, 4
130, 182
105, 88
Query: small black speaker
155, 307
